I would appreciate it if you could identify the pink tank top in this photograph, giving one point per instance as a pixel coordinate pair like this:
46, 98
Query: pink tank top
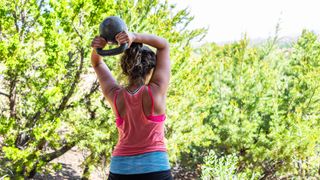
138, 133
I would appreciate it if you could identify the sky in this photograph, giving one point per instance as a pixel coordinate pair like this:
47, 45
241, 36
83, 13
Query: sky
228, 20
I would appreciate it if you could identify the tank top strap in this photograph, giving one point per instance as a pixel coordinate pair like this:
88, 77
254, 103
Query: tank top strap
115, 101
152, 102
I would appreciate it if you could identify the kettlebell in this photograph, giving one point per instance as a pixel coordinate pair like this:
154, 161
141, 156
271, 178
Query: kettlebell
109, 28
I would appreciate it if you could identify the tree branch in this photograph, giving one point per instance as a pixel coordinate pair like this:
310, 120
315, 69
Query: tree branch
53, 155
87, 99
86, 170
14, 14
0, 31
77, 31
66, 98
12, 97
313, 93
33, 21
5, 94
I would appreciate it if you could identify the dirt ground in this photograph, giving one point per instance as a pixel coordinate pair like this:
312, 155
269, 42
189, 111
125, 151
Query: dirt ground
71, 169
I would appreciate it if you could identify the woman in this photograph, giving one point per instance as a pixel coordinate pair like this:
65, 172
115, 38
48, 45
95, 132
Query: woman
139, 107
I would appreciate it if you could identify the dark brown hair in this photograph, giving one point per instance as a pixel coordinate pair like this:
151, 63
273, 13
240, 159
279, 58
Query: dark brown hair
137, 62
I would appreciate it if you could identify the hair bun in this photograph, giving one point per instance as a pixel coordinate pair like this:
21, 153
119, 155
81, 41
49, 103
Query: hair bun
134, 49
136, 45
137, 61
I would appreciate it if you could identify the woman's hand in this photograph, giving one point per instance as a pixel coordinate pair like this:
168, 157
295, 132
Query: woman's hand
98, 42
125, 37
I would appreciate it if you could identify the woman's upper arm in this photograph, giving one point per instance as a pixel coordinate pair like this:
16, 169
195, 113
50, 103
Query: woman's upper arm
161, 74
107, 83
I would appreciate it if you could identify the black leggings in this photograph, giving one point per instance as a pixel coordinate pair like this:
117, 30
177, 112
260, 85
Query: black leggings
160, 175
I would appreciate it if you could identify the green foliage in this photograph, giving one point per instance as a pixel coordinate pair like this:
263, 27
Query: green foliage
50, 100
264, 110
256, 108
224, 167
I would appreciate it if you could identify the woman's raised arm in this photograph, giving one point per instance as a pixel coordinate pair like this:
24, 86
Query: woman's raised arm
161, 73
107, 82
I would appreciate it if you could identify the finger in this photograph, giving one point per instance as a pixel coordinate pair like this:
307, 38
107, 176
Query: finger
101, 39
96, 37
95, 44
118, 35
98, 46
122, 32
97, 41
122, 42
121, 35
123, 38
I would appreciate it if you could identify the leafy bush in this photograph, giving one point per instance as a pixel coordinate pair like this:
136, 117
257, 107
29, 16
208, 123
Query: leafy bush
256, 108
224, 167
50, 99
264, 108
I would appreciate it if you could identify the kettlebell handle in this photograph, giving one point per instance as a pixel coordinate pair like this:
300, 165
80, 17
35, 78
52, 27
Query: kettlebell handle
112, 52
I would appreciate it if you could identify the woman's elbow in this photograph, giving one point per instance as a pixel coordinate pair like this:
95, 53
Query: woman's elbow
165, 44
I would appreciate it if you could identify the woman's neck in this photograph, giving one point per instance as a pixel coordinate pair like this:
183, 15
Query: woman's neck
136, 83
134, 86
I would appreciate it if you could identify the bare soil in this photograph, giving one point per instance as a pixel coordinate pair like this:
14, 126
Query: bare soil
71, 169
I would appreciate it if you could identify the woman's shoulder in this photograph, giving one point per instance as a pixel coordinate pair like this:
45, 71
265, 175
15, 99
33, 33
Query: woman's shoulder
157, 91
159, 98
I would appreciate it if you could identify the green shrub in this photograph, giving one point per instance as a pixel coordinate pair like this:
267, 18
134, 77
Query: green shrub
264, 108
